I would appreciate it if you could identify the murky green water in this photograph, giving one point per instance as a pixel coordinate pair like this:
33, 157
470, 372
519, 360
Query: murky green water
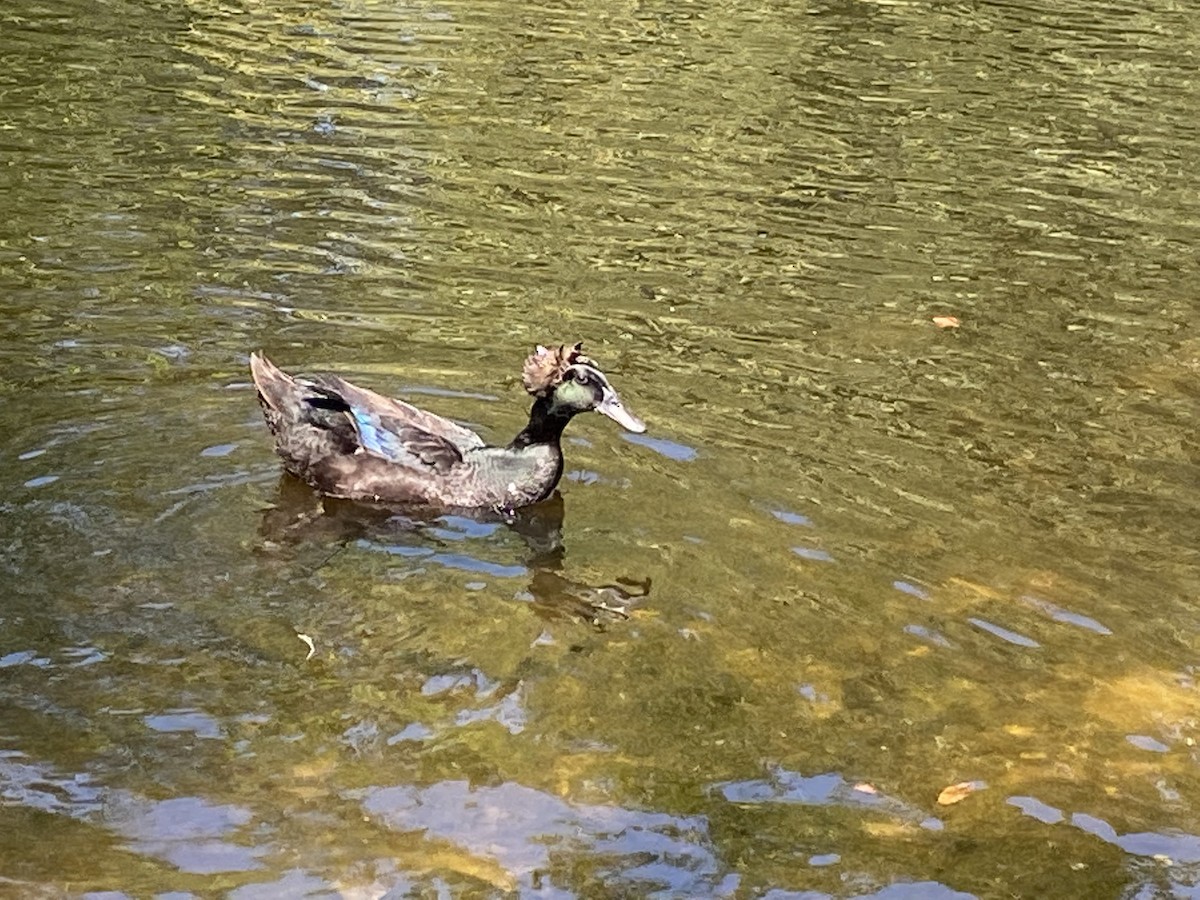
863, 558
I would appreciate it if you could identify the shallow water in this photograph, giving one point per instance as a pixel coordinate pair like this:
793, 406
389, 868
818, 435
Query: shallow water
855, 560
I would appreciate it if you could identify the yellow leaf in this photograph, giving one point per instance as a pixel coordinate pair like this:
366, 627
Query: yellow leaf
956, 793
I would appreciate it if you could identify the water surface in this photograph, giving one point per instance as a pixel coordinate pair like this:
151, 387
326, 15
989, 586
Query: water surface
856, 559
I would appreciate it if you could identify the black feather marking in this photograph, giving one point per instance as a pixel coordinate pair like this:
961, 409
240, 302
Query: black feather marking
330, 402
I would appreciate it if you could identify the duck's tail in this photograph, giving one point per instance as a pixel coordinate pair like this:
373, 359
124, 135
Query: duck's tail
275, 387
306, 422
280, 399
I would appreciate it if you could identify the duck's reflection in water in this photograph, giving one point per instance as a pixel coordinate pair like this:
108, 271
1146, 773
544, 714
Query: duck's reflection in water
325, 527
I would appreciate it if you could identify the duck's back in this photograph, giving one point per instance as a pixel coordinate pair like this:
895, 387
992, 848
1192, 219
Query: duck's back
349, 442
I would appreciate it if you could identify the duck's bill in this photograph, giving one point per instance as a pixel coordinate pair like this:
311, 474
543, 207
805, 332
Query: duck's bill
612, 407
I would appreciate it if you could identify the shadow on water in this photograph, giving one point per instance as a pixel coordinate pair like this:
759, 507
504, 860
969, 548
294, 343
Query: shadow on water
318, 527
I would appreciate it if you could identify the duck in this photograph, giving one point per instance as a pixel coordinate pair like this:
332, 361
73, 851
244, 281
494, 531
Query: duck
351, 443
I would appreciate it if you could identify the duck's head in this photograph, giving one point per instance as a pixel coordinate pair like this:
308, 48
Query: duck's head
571, 383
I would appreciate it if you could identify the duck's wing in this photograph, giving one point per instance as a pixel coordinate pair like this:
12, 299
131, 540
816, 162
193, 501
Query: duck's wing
322, 418
374, 410
395, 435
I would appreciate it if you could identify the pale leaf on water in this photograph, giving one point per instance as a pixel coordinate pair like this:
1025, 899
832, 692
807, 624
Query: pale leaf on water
309, 641
956, 793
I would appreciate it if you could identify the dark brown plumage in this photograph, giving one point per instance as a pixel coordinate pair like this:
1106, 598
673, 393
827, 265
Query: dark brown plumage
351, 442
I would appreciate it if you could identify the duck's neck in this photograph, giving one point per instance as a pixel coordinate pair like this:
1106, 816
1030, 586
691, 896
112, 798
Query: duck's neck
545, 426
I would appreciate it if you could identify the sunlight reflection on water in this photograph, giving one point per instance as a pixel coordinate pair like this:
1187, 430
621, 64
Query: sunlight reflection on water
522, 828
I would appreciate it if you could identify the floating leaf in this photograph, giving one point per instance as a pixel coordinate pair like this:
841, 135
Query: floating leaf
309, 641
956, 793
946, 321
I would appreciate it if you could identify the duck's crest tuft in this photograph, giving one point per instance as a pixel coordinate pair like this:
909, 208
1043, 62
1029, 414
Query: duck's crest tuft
544, 368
